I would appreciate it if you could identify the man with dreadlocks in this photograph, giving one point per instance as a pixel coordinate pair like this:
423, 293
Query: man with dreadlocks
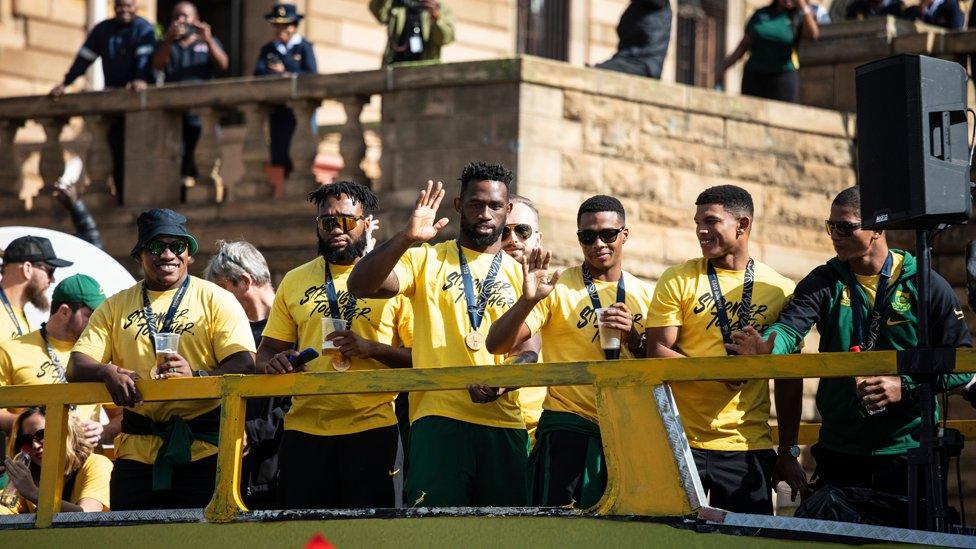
338, 451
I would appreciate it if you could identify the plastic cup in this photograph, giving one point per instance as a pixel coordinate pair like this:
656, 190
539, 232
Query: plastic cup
330, 325
609, 337
167, 343
857, 381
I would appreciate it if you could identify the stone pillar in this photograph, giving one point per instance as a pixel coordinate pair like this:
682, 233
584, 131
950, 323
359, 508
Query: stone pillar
98, 163
254, 154
352, 144
304, 147
152, 158
9, 168
51, 162
207, 158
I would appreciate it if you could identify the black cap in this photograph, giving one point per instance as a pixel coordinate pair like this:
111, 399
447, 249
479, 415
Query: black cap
161, 221
283, 13
35, 249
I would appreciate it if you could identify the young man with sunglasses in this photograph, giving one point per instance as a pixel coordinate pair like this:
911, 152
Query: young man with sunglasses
338, 451
568, 457
40, 357
27, 272
696, 307
166, 455
867, 421
521, 236
462, 453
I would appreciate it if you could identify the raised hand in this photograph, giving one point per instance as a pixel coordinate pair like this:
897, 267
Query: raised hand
424, 224
372, 224
537, 283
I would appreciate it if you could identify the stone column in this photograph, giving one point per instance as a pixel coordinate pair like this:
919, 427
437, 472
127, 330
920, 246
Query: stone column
304, 147
152, 158
254, 154
9, 168
352, 144
98, 163
51, 162
207, 158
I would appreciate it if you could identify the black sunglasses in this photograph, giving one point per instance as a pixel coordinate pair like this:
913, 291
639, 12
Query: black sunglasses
46, 268
844, 229
26, 440
522, 230
157, 247
346, 223
589, 236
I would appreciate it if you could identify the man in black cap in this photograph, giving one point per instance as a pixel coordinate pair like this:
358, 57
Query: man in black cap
287, 53
166, 454
27, 271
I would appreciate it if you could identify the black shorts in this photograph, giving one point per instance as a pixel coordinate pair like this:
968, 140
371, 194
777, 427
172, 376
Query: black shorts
193, 486
560, 480
740, 482
338, 472
888, 474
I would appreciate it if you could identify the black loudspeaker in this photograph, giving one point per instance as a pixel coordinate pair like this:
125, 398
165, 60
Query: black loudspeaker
912, 148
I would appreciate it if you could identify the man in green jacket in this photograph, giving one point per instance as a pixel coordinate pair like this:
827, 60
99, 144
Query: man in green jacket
416, 29
867, 421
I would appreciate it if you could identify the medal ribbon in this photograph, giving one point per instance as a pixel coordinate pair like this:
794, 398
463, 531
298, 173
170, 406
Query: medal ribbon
862, 341
59, 374
476, 307
745, 311
174, 306
595, 295
348, 310
10, 312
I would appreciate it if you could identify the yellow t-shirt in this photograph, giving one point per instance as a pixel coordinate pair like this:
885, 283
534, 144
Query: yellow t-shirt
212, 326
296, 315
715, 417
567, 322
91, 481
24, 361
8, 330
430, 276
530, 400
870, 283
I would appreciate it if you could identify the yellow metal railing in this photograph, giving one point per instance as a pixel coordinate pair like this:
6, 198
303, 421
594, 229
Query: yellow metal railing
639, 457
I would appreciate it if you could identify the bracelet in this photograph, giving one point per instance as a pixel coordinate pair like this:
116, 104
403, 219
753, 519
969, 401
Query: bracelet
807, 10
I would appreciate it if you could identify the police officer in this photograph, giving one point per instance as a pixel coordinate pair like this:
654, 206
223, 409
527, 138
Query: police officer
125, 44
287, 53
189, 52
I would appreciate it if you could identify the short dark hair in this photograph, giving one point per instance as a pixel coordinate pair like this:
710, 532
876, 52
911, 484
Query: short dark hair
601, 203
735, 200
484, 171
848, 198
359, 193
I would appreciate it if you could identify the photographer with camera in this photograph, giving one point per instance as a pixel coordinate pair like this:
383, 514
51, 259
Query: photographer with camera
417, 29
189, 52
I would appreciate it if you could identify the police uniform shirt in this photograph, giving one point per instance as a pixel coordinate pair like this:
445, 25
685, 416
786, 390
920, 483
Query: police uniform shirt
125, 50
190, 63
298, 56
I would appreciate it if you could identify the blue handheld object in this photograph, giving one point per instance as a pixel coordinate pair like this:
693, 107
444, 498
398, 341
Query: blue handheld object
303, 357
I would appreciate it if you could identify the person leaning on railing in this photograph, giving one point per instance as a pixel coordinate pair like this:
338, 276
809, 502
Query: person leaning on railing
771, 38
868, 422
86, 474
416, 29
166, 454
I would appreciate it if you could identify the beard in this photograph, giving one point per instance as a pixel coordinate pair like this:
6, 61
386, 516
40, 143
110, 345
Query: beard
479, 240
345, 256
36, 297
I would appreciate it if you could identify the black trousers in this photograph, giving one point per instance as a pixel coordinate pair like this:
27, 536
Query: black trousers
281, 126
888, 474
338, 472
193, 486
192, 128
567, 463
740, 482
783, 86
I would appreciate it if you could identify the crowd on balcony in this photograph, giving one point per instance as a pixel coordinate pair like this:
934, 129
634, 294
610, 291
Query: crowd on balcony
488, 297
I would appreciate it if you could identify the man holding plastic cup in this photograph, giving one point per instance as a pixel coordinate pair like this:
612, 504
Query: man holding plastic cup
337, 451
576, 311
166, 454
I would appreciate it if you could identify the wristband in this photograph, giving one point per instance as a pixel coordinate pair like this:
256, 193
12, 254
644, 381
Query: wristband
201, 373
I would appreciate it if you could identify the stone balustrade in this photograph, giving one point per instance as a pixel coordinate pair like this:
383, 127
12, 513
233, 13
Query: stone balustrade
153, 135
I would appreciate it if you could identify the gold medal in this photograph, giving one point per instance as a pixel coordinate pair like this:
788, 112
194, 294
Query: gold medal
474, 340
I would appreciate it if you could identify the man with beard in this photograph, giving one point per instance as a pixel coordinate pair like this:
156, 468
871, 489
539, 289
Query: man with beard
338, 451
462, 453
568, 458
166, 455
27, 271
864, 299
696, 307
521, 236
